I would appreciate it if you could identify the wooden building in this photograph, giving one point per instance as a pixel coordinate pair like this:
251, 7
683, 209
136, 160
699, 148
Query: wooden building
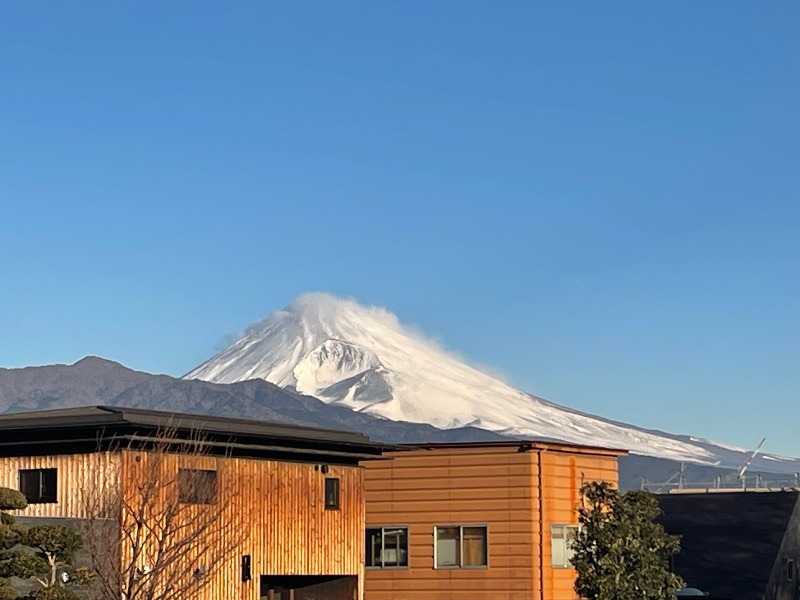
477, 520
290, 498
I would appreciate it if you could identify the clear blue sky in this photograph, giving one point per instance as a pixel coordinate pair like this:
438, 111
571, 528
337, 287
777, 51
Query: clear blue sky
599, 200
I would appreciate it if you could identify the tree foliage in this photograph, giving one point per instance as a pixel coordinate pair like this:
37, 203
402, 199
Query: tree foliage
11, 500
38, 553
54, 550
620, 552
10, 535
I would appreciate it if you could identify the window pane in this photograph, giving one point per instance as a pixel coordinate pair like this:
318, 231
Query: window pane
448, 547
569, 551
373, 548
29, 484
386, 547
561, 539
39, 485
474, 547
331, 492
197, 486
395, 548
49, 485
558, 548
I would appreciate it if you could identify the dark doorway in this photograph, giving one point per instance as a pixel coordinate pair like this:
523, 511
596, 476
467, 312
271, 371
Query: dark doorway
308, 587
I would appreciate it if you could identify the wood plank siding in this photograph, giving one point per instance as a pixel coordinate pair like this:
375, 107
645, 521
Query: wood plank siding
76, 473
517, 492
280, 505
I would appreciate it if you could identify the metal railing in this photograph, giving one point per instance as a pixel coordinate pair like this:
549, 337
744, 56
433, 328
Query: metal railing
755, 482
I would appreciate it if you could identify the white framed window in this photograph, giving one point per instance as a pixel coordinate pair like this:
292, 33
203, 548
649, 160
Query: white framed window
386, 547
561, 538
461, 546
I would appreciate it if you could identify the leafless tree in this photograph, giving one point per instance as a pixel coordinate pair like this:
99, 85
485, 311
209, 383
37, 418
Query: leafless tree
164, 521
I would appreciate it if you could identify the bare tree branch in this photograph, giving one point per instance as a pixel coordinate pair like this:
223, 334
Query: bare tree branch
166, 526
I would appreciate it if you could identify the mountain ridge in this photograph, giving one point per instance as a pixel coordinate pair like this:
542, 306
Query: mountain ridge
96, 381
93, 381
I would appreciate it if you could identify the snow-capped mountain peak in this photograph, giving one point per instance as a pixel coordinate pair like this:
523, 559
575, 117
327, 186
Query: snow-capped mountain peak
365, 359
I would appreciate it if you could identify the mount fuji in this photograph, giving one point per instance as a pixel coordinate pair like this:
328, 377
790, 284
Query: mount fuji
364, 359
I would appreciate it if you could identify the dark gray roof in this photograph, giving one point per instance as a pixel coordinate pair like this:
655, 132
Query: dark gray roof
137, 416
729, 540
68, 424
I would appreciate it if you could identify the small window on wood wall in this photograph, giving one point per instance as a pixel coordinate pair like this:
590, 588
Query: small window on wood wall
331, 493
39, 486
197, 486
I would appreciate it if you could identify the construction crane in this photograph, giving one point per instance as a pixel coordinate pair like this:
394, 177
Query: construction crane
744, 466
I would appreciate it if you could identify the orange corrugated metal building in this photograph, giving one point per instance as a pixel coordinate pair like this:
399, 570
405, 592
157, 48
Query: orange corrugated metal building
485, 519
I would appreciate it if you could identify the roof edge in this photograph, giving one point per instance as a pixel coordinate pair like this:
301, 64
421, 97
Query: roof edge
522, 445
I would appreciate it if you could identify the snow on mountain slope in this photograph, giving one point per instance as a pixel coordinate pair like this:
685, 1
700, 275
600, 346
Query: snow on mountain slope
364, 359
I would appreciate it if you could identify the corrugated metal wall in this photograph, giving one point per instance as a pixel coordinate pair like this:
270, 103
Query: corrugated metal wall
496, 486
456, 486
563, 473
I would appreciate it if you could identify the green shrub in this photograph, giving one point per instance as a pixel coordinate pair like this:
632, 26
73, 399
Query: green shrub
11, 499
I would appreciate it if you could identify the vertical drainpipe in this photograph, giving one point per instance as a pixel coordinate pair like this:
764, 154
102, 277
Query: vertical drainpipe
362, 571
541, 525
573, 489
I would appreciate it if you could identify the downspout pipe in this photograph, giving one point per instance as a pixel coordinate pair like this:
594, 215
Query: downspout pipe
541, 524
